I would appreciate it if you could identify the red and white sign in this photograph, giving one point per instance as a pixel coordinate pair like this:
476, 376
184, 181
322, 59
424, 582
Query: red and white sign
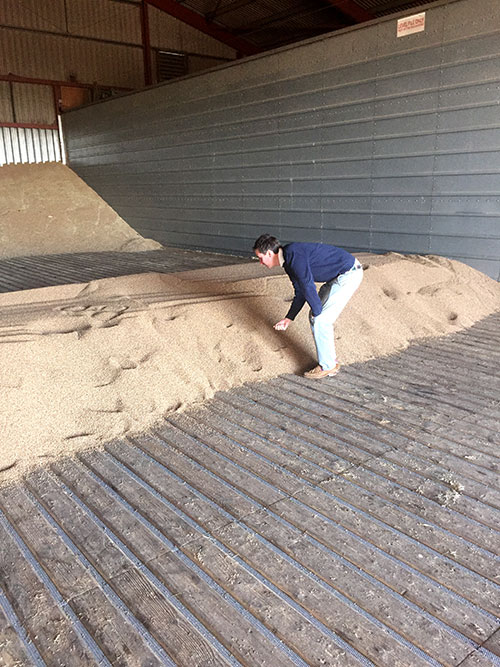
411, 24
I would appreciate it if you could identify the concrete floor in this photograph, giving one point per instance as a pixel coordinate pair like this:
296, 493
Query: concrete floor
348, 521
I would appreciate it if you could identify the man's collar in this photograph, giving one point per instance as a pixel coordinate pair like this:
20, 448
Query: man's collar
281, 256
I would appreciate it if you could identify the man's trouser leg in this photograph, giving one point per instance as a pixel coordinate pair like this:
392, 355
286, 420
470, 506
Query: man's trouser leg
341, 290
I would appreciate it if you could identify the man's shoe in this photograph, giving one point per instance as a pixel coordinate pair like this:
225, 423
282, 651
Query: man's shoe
318, 373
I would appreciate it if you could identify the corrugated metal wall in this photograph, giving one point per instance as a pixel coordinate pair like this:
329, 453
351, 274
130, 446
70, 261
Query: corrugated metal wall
360, 139
168, 32
34, 105
92, 40
78, 40
28, 145
108, 20
6, 109
49, 56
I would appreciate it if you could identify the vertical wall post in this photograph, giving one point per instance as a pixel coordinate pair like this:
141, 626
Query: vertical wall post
56, 92
146, 46
12, 101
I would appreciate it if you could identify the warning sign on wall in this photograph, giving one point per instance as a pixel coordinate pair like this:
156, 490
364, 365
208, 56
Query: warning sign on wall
411, 24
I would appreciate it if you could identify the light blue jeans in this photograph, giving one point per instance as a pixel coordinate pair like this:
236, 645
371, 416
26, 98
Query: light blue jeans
334, 296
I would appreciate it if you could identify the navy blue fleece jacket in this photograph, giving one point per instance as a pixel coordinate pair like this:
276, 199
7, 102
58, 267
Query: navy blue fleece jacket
307, 263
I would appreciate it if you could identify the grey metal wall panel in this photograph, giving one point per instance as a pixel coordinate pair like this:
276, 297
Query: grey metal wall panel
359, 138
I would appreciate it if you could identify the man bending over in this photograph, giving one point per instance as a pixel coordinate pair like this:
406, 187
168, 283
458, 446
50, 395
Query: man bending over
305, 264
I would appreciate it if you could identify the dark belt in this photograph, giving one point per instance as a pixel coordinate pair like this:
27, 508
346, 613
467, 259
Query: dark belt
324, 291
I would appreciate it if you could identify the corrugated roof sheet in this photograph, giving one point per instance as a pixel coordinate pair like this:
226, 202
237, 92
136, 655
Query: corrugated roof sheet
271, 23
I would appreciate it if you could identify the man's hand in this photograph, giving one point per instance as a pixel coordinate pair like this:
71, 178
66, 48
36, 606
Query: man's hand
282, 325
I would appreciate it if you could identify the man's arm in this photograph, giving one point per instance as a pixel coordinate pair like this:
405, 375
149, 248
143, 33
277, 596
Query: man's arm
298, 300
305, 289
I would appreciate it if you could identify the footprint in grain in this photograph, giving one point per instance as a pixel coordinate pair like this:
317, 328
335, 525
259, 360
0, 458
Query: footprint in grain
391, 293
122, 362
115, 367
8, 466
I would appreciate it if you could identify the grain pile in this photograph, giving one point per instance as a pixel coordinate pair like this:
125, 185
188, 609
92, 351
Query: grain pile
47, 209
82, 364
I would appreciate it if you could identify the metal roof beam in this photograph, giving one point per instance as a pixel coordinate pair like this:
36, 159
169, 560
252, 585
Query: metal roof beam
282, 17
197, 21
351, 9
231, 7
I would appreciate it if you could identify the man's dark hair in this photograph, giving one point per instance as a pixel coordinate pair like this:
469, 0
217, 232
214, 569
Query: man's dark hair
266, 242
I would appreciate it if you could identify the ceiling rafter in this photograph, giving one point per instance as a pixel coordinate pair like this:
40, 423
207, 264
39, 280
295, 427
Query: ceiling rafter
199, 22
210, 16
351, 9
277, 18
255, 26
231, 7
